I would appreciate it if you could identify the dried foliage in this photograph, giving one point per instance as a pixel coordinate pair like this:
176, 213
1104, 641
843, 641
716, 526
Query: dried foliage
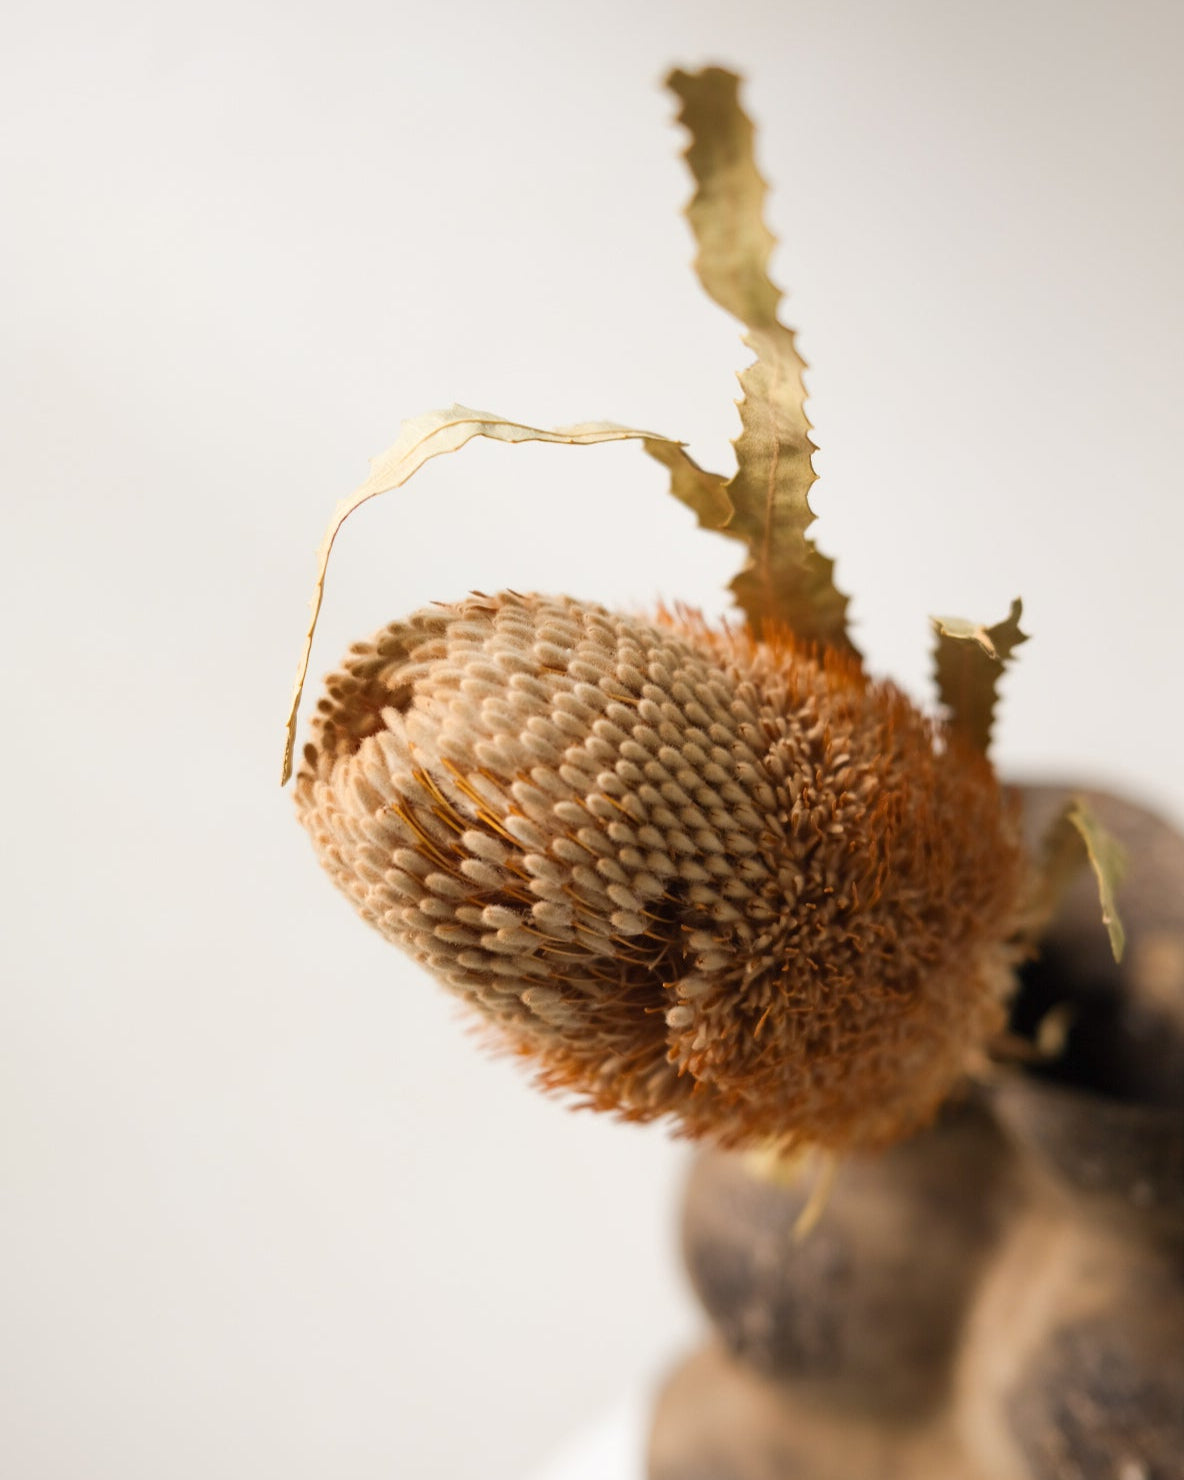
1075, 839
969, 661
786, 582
419, 440
720, 876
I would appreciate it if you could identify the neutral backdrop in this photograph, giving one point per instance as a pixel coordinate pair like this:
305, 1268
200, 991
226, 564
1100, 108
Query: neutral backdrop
268, 1209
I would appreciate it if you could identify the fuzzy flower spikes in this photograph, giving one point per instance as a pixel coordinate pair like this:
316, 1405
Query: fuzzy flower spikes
683, 872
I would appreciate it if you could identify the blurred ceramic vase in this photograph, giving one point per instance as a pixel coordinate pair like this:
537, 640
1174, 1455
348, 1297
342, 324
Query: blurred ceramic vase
1000, 1297
1074, 1361
836, 1347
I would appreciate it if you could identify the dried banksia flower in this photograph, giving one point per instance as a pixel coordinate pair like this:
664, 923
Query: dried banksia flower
720, 876
684, 872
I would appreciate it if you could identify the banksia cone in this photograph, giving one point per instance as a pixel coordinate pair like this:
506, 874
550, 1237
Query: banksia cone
685, 872
721, 876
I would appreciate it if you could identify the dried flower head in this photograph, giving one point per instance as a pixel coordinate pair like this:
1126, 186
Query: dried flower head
721, 876
684, 872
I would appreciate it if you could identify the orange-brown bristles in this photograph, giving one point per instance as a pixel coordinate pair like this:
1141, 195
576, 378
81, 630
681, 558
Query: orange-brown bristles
687, 874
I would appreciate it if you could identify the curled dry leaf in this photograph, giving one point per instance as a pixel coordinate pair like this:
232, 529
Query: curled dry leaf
786, 582
968, 662
419, 440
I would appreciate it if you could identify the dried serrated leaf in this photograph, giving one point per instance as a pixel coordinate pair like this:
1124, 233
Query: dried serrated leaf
968, 660
706, 493
786, 581
419, 440
1072, 840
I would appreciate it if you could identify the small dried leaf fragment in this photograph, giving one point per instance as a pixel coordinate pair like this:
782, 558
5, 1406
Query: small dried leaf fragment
703, 492
419, 440
969, 660
1052, 1031
786, 582
781, 1168
1075, 838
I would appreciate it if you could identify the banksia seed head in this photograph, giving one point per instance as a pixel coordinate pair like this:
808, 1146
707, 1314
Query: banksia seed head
684, 872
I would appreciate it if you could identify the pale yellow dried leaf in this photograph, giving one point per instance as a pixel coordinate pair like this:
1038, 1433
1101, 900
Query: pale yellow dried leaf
706, 493
786, 582
968, 661
1073, 839
419, 440
1107, 858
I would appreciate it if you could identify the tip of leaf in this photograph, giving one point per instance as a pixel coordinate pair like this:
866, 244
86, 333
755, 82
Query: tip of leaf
1074, 838
968, 661
680, 81
996, 642
1108, 859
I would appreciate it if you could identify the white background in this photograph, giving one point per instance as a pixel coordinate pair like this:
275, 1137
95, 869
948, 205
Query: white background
268, 1210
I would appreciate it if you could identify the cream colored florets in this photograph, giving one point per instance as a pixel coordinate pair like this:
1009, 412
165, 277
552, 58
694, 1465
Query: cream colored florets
685, 873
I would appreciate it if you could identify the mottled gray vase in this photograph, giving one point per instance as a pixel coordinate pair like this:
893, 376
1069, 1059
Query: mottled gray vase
1000, 1298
